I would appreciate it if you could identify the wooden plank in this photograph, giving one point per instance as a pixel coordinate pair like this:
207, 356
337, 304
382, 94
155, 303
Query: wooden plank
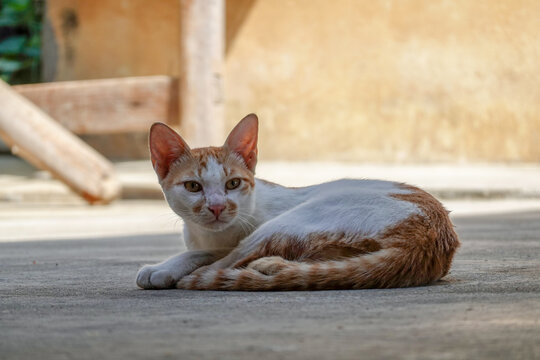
34, 136
201, 76
109, 105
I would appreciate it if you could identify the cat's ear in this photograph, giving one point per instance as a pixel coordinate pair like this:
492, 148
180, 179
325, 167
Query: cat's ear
243, 140
165, 147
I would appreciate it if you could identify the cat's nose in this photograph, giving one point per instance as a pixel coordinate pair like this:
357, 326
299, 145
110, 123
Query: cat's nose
216, 209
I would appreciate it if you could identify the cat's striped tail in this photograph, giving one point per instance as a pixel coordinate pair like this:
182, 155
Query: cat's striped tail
386, 268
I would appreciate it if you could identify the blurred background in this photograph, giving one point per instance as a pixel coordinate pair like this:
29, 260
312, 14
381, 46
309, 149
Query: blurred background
390, 81
444, 94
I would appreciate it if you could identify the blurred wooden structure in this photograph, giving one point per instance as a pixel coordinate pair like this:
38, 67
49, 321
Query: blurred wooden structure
194, 61
193, 103
36, 137
202, 49
107, 106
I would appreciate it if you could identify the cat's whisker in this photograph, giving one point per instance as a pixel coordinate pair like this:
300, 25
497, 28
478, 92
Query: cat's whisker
242, 225
244, 222
247, 215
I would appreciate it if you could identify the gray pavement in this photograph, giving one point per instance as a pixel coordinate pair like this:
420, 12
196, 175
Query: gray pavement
76, 299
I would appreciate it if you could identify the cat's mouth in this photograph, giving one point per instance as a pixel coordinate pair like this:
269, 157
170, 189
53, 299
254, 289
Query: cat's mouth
218, 221
217, 224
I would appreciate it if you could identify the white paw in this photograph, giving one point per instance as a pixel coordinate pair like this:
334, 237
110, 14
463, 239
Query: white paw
156, 277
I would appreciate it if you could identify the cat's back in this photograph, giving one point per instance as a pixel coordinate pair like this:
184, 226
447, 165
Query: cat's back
359, 205
358, 188
347, 205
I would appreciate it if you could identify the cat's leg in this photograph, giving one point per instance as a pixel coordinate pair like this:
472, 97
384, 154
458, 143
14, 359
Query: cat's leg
269, 254
250, 249
165, 274
270, 265
230, 260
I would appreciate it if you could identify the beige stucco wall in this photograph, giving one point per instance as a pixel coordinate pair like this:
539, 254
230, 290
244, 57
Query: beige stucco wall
410, 81
111, 38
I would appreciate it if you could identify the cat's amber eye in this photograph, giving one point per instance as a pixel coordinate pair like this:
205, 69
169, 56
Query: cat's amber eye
233, 184
192, 186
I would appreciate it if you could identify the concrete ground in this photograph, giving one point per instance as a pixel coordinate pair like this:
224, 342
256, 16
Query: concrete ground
67, 291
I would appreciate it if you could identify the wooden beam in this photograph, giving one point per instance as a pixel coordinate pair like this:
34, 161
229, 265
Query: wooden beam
201, 76
34, 136
109, 105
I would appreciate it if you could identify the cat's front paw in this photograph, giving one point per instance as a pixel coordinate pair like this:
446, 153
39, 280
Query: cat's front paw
155, 277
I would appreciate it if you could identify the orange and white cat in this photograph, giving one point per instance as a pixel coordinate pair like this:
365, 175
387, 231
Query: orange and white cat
244, 233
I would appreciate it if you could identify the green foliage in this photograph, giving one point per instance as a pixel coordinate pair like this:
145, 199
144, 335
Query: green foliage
20, 40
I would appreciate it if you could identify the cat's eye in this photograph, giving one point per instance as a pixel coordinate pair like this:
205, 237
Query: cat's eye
233, 184
192, 186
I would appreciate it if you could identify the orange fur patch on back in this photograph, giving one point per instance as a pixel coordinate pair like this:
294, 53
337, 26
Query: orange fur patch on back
431, 234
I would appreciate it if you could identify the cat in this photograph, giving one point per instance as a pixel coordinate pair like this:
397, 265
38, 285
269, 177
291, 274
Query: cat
243, 233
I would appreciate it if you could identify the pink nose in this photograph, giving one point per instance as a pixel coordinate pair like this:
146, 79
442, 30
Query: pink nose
216, 209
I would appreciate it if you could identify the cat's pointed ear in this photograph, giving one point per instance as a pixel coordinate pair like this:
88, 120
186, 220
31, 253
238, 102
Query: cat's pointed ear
243, 140
165, 147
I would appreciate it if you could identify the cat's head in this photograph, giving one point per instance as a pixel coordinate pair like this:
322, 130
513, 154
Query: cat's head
213, 186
